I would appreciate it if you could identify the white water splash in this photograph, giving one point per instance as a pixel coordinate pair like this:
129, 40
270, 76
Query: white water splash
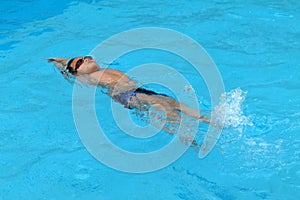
231, 107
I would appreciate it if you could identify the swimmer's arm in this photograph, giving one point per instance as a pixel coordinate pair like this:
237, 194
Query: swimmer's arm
58, 62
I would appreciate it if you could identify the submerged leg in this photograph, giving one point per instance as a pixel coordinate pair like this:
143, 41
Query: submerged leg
184, 108
172, 117
163, 116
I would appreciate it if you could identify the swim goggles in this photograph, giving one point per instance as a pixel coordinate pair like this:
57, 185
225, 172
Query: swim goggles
74, 64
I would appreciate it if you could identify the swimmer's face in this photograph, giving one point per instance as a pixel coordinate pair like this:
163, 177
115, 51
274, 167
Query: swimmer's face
83, 65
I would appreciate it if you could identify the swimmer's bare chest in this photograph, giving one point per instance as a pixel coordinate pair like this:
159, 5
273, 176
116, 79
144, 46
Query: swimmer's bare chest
112, 78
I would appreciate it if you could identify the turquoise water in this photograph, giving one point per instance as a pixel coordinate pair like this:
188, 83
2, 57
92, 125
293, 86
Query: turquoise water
255, 45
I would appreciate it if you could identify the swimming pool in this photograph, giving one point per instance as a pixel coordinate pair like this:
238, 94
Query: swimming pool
255, 45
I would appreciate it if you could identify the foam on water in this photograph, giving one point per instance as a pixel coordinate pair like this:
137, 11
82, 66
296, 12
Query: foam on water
231, 106
228, 114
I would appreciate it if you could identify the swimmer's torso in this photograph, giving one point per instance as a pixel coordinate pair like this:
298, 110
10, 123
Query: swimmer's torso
113, 79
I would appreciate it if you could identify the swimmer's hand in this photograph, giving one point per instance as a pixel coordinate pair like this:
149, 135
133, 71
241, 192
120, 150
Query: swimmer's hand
60, 63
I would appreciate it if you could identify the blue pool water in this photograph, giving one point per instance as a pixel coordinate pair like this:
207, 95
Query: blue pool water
255, 45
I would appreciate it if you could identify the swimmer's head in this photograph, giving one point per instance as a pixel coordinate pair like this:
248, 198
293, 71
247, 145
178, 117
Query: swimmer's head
83, 65
72, 68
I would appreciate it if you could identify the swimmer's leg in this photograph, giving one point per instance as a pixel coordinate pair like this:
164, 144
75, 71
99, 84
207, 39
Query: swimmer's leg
172, 110
191, 112
184, 109
171, 115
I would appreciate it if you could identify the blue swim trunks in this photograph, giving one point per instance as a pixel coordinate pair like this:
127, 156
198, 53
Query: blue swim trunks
125, 97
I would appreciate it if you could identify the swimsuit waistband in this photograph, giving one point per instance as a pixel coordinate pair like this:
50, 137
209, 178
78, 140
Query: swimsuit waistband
124, 98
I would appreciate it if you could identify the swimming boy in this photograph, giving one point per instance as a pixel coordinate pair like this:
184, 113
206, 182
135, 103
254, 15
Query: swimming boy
122, 89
